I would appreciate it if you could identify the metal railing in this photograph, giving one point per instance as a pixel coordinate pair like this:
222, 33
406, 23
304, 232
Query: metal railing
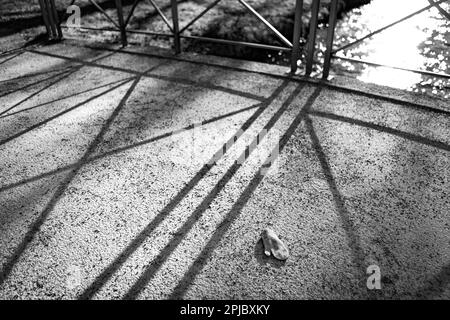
294, 48
178, 33
51, 19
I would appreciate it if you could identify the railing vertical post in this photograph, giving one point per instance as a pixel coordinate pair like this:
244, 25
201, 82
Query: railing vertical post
54, 13
51, 19
45, 17
312, 36
123, 32
176, 29
297, 33
330, 37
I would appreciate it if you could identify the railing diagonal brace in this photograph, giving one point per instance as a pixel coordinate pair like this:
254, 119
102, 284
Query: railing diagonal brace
166, 21
130, 14
266, 23
104, 13
442, 11
212, 5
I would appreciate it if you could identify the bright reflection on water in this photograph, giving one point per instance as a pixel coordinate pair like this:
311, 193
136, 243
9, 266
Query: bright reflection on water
421, 42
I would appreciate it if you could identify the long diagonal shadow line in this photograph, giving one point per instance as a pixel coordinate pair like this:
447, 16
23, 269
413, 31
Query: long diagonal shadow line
34, 83
47, 174
35, 74
65, 74
69, 96
63, 70
388, 99
206, 85
107, 273
353, 238
125, 148
6, 270
60, 114
175, 132
198, 265
36, 41
10, 53
10, 58
179, 235
328, 85
402, 134
60, 99
239, 204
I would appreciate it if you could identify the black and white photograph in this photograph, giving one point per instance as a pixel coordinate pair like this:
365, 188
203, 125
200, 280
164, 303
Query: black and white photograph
237, 151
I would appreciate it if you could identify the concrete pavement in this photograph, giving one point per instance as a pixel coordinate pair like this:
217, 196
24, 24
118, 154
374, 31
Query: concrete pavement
105, 190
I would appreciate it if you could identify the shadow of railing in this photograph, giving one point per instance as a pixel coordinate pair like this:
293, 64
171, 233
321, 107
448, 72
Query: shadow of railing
238, 205
196, 267
75, 167
132, 247
35, 227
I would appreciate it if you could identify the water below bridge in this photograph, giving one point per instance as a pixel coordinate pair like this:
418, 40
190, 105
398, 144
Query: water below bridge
421, 42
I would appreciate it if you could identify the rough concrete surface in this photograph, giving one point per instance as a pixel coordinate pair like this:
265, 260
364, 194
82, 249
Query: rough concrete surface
105, 190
